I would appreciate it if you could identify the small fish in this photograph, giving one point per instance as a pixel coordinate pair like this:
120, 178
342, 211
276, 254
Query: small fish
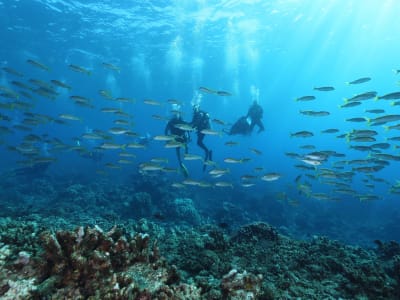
218, 121
359, 80
248, 177
164, 138
12, 72
224, 184
390, 96
121, 122
111, 67
127, 154
384, 119
311, 162
309, 147
207, 90
174, 144
230, 160
305, 98
159, 160
362, 97
375, 111
396, 127
303, 134
112, 110
357, 120
80, 99
38, 65
118, 130
324, 88
184, 127
125, 161
223, 93
70, 117
21, 85
381, 146
191, 182
246, 184
188, 156
271, 177
365, 139
125, 99
255, 151
135, 146
231, 143
174, 101
350, 104
152, 102
315, 113
210, 132
150, 167
219, 171
331, 130
178, 185
61, 84
92, 136
106, 94
80, 69
112, 146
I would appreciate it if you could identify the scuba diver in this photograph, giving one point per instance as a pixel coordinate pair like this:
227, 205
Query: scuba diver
182, 136
241, 126
255, 114
201, 121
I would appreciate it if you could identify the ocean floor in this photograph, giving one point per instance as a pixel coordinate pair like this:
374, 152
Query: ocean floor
84, 241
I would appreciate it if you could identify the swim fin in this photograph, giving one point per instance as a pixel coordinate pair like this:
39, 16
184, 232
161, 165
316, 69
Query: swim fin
184, 171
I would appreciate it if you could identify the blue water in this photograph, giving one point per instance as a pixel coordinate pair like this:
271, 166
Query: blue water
270, 51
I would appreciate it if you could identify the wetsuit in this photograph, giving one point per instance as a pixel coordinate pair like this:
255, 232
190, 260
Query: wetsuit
201, 121
256, 113
181, 136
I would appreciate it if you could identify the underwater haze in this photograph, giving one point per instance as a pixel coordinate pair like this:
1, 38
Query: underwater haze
87, 88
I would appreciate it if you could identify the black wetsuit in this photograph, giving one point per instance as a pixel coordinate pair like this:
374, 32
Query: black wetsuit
201, 121
181, 136
240, 127
256, 113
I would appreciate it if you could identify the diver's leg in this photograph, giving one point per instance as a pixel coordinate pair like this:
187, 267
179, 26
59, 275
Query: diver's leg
200, 138
178, 155
181, 165
260, 125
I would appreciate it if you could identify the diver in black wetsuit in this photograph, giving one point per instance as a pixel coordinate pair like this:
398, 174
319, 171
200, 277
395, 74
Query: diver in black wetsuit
241, 126
255, 113
201, 121
182, 136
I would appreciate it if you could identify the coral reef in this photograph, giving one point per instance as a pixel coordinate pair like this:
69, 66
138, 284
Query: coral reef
256, 262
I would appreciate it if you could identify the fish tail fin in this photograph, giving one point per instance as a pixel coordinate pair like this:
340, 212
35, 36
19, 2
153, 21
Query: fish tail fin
376, 98
346, 100
368, 121
393, 103
386, 127
347, 83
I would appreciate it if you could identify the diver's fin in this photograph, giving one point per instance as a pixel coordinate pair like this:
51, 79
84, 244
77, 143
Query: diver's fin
184, 171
